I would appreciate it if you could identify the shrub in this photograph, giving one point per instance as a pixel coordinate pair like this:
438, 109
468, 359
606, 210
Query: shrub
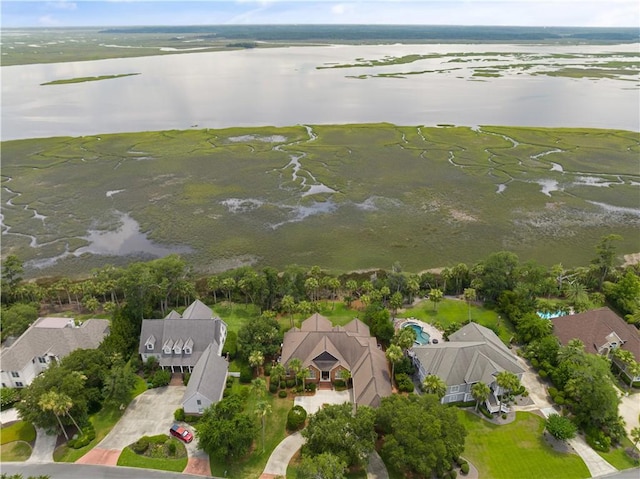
141, 445
404, 383
178, 414
273, 387
464, 468
231, 345
191, 419
543, 374
291, 383
460, 461
504, 416
405, 365
160, 378
8, 397
185, 378
283, 384
553, 392
312, 387
598, 440
246, 375
300, 388
267, 369
282, 393
135, 362
339, 385
453, 474
171, 448
296, 418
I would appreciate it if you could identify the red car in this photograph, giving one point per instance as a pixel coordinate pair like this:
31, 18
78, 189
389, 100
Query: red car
181, 433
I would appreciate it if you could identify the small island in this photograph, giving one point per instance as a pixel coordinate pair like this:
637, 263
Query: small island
86, 79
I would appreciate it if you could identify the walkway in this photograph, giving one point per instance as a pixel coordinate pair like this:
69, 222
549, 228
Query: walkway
43, 448
538, 393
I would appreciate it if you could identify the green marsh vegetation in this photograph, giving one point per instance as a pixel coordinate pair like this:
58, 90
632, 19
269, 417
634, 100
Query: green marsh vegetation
359, 196
88, 79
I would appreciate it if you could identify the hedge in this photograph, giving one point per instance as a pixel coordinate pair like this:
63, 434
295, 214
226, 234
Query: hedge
296, 418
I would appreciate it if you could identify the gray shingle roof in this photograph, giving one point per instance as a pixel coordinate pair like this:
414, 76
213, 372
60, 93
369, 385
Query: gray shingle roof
208, 376
474, 353
353, 348
203, 332
38, 341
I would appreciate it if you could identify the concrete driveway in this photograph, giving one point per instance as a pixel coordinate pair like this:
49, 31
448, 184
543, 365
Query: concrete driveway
312, 404
149, 414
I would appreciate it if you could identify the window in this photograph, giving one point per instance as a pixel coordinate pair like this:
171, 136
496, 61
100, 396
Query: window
187, 350
4, 385
198, 402
15, 374
312, 373
42, 360
19, 385
150, 346
454, 389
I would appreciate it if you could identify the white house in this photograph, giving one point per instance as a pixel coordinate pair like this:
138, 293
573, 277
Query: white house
47, 340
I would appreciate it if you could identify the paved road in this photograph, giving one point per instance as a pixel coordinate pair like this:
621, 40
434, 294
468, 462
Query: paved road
82, 471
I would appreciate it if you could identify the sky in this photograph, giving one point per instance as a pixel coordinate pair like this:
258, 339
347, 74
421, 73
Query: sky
76, 13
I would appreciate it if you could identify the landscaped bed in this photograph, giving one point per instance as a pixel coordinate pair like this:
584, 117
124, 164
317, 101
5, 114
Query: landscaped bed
155, 452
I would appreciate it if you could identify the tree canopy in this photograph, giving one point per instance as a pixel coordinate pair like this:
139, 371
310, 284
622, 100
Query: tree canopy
421, 436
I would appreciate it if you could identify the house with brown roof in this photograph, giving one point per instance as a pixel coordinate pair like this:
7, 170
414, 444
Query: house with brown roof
47, 340
326, 350
601, 331
473, 354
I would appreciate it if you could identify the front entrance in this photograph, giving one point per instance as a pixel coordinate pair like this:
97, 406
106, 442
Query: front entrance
325, 376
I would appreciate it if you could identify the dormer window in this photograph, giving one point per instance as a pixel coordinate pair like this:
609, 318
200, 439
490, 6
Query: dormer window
150, 343
177, 347
167, 346
188, 346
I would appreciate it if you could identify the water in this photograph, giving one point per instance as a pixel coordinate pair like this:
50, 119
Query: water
422, 337
283, 86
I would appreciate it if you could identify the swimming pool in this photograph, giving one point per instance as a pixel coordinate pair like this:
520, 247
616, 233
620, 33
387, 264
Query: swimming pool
422, 337
549, 315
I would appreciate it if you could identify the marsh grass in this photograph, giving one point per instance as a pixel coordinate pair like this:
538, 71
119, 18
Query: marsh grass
418, 195
87, 79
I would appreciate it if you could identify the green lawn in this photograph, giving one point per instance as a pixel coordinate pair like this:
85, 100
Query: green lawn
131, 459
254, 463
103, 421
16, 451
450, 311
618, 458
139, 387
18, 431
517, 450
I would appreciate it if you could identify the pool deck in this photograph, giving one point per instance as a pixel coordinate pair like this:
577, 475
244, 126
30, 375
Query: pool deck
428, 328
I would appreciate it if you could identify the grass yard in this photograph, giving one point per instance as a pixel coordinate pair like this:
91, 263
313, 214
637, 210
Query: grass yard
103, 421
254, 463
517, 450
18, 431
618, 458
17, 451
451, 311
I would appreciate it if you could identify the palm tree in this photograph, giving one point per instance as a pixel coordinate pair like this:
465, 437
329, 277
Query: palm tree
405, 338
48, 402
213, 283
259, 387
469, 295
394, 354
436, 296
263, 408
432, 384
507, 382
277, 372
288, 305
345, 375
295, 365
63, 406
480, 392
256, 359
